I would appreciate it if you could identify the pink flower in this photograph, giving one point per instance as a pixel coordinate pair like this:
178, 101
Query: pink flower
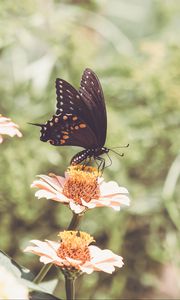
8, 127
81, 189
74, 253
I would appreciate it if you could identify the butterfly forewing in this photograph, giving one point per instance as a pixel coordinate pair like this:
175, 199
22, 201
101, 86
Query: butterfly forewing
68, 99
92, 95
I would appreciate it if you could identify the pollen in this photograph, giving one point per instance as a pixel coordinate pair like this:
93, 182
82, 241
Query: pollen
74, 244
82, 183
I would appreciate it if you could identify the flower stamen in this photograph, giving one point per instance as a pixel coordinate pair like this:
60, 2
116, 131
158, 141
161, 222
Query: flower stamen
74, 244
82, 183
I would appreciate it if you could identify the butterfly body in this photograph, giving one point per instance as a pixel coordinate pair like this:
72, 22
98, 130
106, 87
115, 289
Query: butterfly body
80, 118
88, 154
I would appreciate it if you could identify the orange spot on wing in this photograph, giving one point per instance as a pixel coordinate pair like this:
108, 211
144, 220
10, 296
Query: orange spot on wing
74, 118
62, 141
65, 117
65, 137
82, 125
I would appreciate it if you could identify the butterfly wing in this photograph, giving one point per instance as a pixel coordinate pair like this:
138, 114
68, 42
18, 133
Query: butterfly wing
92, 95
68, 98
68, 126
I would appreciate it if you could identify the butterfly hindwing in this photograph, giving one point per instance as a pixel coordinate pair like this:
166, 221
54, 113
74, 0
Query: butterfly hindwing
68, 129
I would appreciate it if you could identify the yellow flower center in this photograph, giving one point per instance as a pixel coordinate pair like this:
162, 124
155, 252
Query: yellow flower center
82, 183
74, 244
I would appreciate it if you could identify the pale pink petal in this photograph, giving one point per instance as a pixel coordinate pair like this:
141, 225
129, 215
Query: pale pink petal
49, 184
77, 208
89, 204
50, 188
120, 199
56, 182
111, 188
114, 202
46, 260
87, 268
44, 194
94, 250
43, 185
73, 262
42, 248
104, 260
9, 128
11, 131
48, 195
61, 180
53, 244
106, 256
100, 180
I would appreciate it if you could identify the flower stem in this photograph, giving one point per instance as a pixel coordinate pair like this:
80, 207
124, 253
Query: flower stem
72, 226
40, 276
70, 288
74, 222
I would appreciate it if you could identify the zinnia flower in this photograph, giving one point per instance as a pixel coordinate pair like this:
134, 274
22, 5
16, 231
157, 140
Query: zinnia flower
73, 254
8, 127
82, 188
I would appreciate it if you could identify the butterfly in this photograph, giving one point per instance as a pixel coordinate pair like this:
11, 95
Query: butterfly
80, 119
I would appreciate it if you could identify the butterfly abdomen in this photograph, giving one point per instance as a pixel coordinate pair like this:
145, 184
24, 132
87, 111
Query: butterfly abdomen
87, 154
81, 156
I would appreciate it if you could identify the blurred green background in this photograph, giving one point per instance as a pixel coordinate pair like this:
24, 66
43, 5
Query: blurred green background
133, 46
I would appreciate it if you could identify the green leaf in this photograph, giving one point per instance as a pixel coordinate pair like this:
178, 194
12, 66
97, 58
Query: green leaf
25, 277
13, 267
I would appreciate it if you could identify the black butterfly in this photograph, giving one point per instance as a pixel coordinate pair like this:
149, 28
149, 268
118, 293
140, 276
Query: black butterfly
80, 118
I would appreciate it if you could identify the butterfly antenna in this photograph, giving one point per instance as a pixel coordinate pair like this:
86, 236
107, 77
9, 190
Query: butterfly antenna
120, 154
36, 124
124, 146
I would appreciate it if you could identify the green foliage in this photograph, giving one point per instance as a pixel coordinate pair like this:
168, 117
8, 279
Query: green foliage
134, 48
23, 277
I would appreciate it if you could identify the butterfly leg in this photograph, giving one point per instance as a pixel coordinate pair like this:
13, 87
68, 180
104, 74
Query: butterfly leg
102, 163
87, 161
110, 160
